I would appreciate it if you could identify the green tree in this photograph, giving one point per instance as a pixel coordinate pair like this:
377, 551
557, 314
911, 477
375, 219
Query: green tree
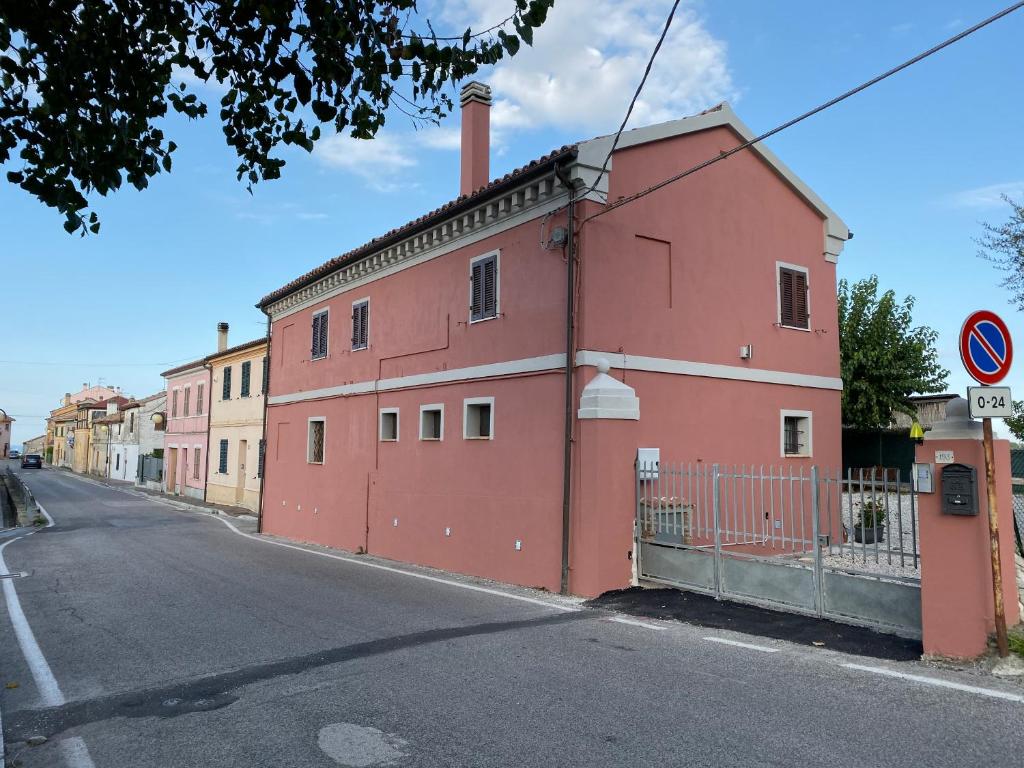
884, 359
1003, 245
1015, 423
85, 84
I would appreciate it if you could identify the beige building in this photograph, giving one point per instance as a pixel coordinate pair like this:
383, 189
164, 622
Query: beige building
34, 445
236, 425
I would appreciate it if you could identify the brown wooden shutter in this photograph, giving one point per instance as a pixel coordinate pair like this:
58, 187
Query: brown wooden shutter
490, 290
800, 314
786, 316
793, 298
476, 304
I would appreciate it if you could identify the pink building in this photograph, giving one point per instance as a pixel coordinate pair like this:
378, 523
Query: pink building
419, 392
187, 431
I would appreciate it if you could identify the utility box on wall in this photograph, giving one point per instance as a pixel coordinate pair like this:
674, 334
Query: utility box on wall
959, 490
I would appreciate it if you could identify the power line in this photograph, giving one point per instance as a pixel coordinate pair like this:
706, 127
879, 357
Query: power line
805, 115
636, 96
101, 365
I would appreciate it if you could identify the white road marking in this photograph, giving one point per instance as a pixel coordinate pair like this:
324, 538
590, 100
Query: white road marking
401, 571
49, 520
738, 644
74, 750
635, 623
991, 692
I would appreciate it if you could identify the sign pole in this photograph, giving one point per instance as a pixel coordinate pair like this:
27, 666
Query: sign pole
993, 532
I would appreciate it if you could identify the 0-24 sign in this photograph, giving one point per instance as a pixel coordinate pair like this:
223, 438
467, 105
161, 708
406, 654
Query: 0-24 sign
989, 402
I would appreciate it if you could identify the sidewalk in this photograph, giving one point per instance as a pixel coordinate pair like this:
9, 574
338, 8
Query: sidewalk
184, 501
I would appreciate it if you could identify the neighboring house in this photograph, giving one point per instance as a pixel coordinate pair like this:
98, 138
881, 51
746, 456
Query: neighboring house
57, 449
139, 436
34, 445
85, 457
5, 434
931, 409
236, 424
417, 396
63, 428
188, 412
106, 430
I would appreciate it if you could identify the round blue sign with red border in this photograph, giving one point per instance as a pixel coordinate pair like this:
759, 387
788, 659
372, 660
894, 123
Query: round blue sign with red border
985, 347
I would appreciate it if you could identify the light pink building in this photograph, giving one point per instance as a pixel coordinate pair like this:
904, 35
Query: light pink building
187, 432
418, 385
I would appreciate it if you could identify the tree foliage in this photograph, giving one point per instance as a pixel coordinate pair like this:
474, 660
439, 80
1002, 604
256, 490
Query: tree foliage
84, 84
1003, 245
884, 359
1015, 423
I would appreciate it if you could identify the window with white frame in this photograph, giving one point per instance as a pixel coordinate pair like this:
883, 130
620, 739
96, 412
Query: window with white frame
188, 394
315, 440
360, 324
483, 287
389, 425
174, 403
318, 349
793, 296
432, 422
478, 418
796, 433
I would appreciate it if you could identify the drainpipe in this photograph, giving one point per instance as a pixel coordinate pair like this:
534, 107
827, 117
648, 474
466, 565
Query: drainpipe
206, 458
266, 405
570, 354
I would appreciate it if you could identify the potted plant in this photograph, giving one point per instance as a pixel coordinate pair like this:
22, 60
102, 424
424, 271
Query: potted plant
870, 525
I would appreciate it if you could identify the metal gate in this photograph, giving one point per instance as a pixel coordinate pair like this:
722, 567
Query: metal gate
824, 544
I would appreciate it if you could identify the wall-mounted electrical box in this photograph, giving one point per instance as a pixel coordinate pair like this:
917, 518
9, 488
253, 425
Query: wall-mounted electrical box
648, 461
923, 478
959, 490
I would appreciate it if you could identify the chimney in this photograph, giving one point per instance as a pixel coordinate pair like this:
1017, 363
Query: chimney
475, 99
67, 398
222, 336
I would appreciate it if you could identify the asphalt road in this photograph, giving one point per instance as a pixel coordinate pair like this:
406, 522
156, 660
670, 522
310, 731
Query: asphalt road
175, 641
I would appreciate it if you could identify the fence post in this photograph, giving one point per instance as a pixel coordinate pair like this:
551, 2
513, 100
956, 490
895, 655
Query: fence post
819, 603
718, 535
637, 527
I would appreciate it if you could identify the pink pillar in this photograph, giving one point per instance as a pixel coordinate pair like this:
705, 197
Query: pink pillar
957, 607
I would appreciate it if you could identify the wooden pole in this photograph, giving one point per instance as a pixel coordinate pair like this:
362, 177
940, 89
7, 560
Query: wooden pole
993, 531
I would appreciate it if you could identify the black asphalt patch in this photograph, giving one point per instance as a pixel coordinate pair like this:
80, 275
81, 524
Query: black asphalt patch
705, 611
215, 691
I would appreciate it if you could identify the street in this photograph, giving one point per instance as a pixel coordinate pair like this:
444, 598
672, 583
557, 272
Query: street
174, 641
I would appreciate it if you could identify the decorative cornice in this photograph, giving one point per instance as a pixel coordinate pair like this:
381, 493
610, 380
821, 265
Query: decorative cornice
522, 203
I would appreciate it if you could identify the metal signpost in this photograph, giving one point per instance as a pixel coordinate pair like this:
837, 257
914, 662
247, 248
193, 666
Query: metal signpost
987, 353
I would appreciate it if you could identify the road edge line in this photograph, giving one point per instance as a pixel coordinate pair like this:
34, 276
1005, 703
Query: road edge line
400, 571
741, 644
938, 682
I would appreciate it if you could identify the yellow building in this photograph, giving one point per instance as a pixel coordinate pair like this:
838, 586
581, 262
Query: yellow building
237, 397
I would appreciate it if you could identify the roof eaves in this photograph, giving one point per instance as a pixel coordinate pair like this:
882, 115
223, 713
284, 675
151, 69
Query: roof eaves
534, 168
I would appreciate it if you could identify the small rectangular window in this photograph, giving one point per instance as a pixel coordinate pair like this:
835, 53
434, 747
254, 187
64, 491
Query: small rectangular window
188, 394
360, 324
198, 462
483, 290
200, 396
246, 370
432, 422
318, 349
226, 388
389, 425
266, 373
174, 404
478, 418
222, 466
793, 297
796, 433
315, 445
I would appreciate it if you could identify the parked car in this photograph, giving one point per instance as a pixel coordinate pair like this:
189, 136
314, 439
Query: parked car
14, 454
32, 460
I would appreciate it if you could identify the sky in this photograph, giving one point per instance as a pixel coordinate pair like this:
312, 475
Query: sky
913, 166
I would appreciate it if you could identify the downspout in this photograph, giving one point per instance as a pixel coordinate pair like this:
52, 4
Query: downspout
266, 405
570, 354
206, 458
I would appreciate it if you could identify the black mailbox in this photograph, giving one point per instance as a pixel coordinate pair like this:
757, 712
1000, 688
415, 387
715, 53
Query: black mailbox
959, 490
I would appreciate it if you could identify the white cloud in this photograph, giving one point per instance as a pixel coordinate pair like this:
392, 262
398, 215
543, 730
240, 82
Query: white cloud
587, 60
379, 161
988, 197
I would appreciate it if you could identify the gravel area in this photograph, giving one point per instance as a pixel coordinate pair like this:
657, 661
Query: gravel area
901, 534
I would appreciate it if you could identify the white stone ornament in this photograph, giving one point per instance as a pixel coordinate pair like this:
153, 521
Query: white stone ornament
608, 398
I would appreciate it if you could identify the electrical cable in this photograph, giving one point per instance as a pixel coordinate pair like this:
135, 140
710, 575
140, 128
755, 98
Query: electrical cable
790, 123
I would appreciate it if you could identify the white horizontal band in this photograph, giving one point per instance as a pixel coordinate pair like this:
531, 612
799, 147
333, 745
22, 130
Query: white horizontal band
707, 370
557, 361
